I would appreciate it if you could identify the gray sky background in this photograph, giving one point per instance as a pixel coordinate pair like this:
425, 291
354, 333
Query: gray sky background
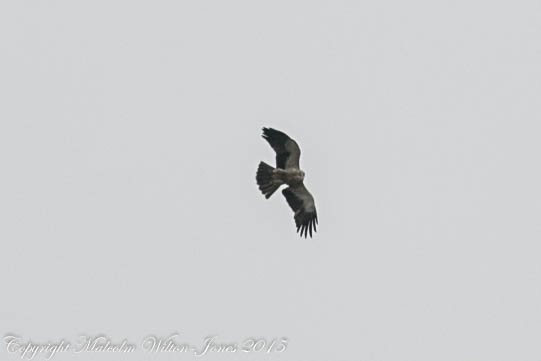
129, 141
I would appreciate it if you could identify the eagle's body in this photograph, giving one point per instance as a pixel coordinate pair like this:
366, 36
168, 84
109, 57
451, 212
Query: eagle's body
290, 176
288, 172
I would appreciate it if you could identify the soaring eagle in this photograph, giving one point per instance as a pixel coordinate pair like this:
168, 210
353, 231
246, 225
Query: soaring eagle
287, 171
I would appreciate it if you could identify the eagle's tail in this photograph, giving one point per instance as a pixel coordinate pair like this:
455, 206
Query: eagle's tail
265, 180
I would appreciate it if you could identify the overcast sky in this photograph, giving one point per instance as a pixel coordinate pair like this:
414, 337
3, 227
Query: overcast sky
129, 141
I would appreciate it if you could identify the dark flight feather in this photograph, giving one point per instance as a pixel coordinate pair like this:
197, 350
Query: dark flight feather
302, 204
287, 151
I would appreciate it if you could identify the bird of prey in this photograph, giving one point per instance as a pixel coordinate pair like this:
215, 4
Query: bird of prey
287, 171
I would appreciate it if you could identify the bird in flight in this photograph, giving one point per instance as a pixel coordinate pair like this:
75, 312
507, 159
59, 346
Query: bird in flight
287, 171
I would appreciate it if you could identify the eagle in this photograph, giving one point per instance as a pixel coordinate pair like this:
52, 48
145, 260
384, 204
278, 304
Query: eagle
287, 171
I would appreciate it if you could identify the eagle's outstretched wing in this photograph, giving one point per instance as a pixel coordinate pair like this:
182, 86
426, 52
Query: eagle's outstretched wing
302, 203
287, 150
